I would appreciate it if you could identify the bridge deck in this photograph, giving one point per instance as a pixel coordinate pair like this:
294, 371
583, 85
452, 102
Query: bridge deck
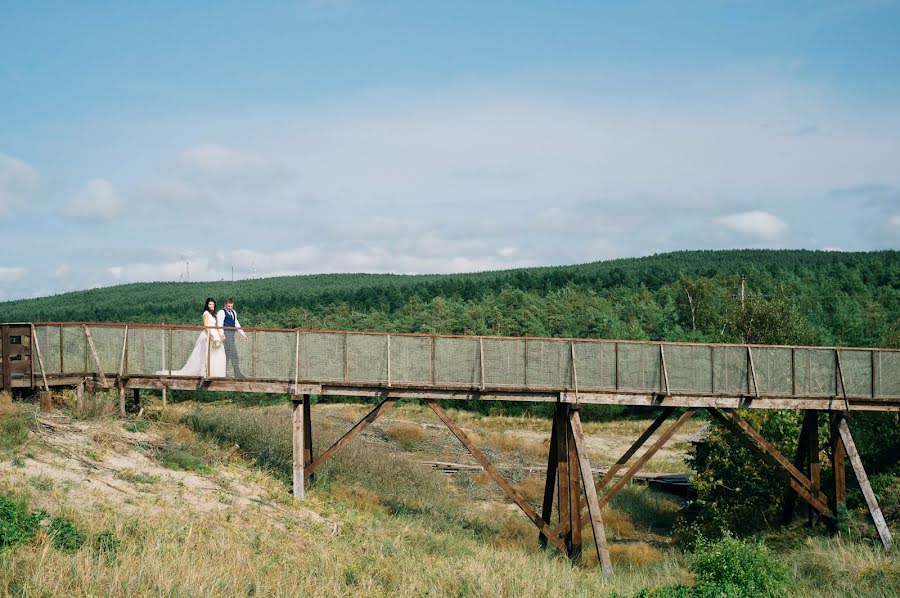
461, 367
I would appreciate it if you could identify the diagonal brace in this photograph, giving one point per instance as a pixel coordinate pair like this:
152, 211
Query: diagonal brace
356, 429
495, 474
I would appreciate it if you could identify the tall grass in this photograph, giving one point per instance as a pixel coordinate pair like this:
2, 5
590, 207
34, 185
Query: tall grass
16, 421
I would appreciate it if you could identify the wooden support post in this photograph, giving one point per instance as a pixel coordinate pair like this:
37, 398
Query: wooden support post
495, 474
871, 502
838, 464
562, 467
298, 437
121, 392
164, 397
356, 429
79, 396
801, 457
307, 436
550, 481
590, 494
46, 400
575, 541
815, 470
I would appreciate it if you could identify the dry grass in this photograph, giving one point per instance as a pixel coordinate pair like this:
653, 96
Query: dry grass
637, 554
618, 524
531, 488
406, 434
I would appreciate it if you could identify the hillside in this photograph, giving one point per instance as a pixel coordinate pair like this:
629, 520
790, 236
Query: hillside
841, 298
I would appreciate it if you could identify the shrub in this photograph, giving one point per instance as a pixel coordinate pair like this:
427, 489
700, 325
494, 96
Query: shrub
730, 567
17, 524
106, 544
64, 535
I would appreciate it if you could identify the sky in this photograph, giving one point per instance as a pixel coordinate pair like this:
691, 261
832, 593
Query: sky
208, 140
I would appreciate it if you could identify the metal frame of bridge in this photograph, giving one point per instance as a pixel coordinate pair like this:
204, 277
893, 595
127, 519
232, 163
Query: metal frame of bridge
679, 378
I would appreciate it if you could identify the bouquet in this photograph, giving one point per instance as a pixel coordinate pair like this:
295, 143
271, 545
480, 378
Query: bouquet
217, 344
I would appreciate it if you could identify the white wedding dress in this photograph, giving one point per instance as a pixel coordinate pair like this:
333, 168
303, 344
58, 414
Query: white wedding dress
197, 361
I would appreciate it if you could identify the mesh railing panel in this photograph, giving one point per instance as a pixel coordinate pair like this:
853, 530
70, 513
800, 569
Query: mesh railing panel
538, 364
639, 367
411, 359
457, 361
272, 355
857, 368
773, 370
816, 372
887, 374
689, 368
321, 356
147, 351
595, 365
367, 354
504, 362
51, 350
730, 370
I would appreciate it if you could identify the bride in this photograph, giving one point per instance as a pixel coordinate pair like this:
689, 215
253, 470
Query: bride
210, 340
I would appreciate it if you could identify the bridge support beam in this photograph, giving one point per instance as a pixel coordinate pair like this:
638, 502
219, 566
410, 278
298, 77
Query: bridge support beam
302, 442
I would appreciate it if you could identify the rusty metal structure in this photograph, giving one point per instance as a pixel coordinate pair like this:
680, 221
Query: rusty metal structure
680, 378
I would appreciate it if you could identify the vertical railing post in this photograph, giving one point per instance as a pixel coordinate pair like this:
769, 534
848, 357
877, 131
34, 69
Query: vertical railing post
481, 359
62, 350
388, 359
433, 360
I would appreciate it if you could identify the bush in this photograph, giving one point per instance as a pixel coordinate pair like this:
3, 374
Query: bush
730, 567
64, 535
17, 524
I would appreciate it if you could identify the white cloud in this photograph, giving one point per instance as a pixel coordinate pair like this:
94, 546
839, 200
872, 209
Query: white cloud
11, 275
756, 223
97, 200
223, 163
18, 181
62, 271
896, 220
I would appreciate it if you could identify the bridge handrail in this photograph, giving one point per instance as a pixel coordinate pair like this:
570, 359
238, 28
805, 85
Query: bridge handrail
445, 361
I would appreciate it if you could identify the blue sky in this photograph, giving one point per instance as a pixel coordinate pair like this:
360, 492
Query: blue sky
344, 136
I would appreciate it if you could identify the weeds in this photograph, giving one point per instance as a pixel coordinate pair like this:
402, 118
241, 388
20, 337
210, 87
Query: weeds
17, 524
16, 421
64, 535
406, 434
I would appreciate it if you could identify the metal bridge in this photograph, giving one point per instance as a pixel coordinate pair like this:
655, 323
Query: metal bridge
680, 378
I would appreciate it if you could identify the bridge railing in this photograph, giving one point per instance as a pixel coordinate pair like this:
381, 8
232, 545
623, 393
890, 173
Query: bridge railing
472, 362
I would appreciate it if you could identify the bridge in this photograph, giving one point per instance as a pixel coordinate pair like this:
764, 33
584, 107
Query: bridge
677, 379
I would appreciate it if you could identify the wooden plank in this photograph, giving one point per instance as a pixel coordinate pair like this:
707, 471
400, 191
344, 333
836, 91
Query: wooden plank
801, 489
90, 342
5, 361
37, 350
497, 476
575, 539
351, 433
662, 365
307, 429
79, 396
481, 359
642, 460
840, 369
121, 393
298, 437
563, 503
124, 353
550, 481
874, 510
838, 464
594, 508
752, 373
389, 360
815, 470
62, 351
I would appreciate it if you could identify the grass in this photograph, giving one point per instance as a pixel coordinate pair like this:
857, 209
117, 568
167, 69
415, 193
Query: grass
16, 421
408, 435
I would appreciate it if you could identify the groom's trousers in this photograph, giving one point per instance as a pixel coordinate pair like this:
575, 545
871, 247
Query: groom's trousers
231, 354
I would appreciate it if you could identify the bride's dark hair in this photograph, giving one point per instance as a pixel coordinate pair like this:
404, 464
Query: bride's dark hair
206, 306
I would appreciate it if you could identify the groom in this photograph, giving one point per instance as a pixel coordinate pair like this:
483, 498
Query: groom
227, 319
